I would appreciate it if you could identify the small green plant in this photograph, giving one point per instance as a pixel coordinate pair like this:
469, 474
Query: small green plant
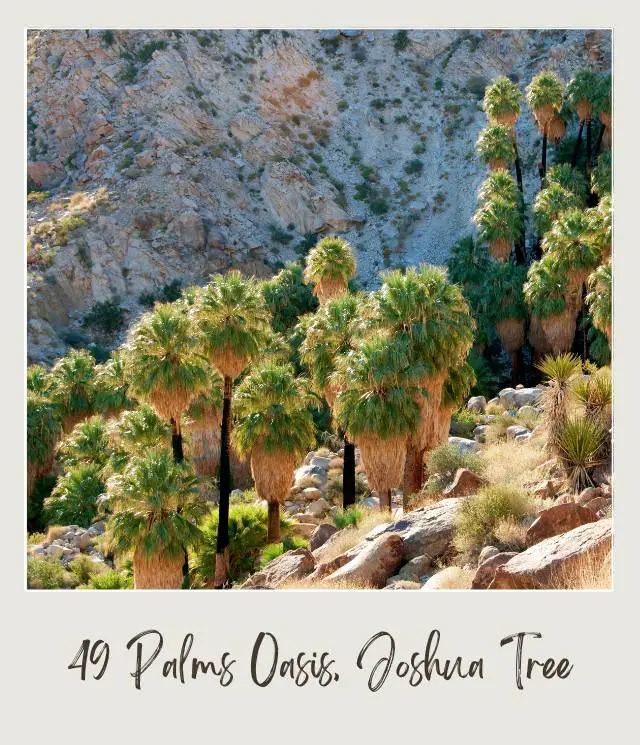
129, 73
401, 41
348, 518
107, 37
145, 53
581, 445
463, 422
343, 105
273, 550
110, 580
414, 167
47, 574
106, 318
83, 568
74, 499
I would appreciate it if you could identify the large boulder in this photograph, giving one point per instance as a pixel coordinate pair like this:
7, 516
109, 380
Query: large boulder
539, 566
373, 566
464, 444
319, 507
557, 519
515, 430
416, 568
477, 403
427, 531
487, 569
321, 535
291, 565
465, 482
447, 578
511, 398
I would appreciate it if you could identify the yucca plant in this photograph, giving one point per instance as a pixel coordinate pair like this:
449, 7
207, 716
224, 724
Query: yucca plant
561, 372
545, 97
72, 387
495, 146
581, 444
74, 500
583, 91
499, 223
377, 407
502, 101
550, 203
499, 183
569, 178
595, 393
156, 509
330, 266
599, 299
234, 327
275, 428
43, 431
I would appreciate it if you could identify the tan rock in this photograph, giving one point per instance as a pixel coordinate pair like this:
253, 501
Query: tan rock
557, 519
291, 565
321, 535
487, 570
466, 482
373, 566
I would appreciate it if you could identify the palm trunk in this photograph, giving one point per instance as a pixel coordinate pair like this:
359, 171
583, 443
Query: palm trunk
385, 500
273, 525
576, 150
349, 474
588, 147
520, 243
515, 368
178, 456
543, 172
222, 541
599, 140
413, 467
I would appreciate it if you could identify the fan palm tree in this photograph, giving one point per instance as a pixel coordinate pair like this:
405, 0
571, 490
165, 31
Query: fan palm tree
601, 176
330, 266
603, 107
582, 92
544, 96
38, 379
570, 179
421, 308
601, 231
377, 406
164, 366
156, 508
502, 101
87, 443
499, 224
74, 500
495, 146
276, 429
550, 203
234, 328
599, 299
332, 331
203, 419
558, 125
499, 183
142, 429
43, 430
72, 387
112, 386
457, 386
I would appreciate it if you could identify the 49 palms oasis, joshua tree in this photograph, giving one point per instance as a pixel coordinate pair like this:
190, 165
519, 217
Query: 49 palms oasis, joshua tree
234, 328
276, 429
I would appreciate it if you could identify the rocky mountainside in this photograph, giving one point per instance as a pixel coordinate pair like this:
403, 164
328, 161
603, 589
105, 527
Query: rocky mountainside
157, 158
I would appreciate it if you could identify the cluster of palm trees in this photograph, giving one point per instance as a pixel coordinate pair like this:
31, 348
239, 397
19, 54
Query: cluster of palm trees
572, 216
389, 365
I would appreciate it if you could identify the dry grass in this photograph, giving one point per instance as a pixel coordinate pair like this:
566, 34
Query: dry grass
590, 573
305, 584
514, 464
56, 531
342, 541
457, 578
511, 534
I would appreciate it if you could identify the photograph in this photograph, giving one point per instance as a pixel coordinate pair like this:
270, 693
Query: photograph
318, 309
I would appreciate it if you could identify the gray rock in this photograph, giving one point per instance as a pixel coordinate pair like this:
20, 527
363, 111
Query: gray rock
469, 446
373, 566
486, 553
321, 535
370, 502
427, 531
311, 494
319, 507
477, 403
514, 430
512, 398
415, 568
480, 433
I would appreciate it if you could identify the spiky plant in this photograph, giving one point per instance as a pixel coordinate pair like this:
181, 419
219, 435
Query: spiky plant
275, 429
499, 183
560, 373
234, 328
599, 299
550, 203
87, 443
502, 101
499, 223
569, 178
377, 406
74, 498
43, 430
156, 508
202, 420
545, 97
495, 146
545, 292
330, 266
164, 366
581, 444
72, 387
595, 393
601, 175
569, 243
112, 386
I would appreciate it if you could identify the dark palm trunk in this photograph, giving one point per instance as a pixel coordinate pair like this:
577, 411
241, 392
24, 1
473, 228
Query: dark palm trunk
576, 149
599, 140
520, 243
588, 147
543, 171
178, 456
349, 474
515, 368
222, 541
273, 525
413, 468
385, 500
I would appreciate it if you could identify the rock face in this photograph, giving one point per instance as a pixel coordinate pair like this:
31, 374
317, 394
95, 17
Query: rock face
464, 483
291, 565
427, 531
558, 519
373, 565
539, 566
230, 148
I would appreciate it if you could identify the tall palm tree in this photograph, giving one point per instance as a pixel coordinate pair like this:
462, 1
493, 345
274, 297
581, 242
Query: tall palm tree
234, 328
203, 419
142, 429
457, 385
499, 224
570, 179
164, 366
38, 380
499, 183
74, 500
544, 96
422, 309
377, 407
603, 107
72, 387
583, 92
112, 385
550, 203
276, 429
156, 508
333, 330
495, 146
87, 443
599, 299
601, 230
43, 430
601, 175
330, 266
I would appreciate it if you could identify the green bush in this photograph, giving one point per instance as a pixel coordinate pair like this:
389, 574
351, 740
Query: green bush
401, 40
414, 167
145, 53
110, 580
350, 517
273, 550
444, 461
47, 574
73, 501
582, 443
83, 568
463, 422
479, 515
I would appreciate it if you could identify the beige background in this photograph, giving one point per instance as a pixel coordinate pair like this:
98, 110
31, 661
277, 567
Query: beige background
42, 630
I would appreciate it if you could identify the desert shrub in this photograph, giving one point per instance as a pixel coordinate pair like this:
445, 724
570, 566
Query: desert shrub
479, 515
497, 429
581, 447
401, 40
464, 421
288, 543
83, 568
494, 408
510, 534
74, 499
447, 459
348, 518
247, 539
595, 394
414, 167
528, 418
145, 53
47, 574
110, 580
33, 539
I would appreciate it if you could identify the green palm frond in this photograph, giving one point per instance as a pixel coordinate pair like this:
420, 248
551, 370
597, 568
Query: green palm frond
72, 386
87, 443
498, 219
495, 144
560, 369
583, 92
550, 203
38, 379
457, 385
331, 258
503, 285
602, 103
601, 176
142, 428
499, 183
43, 429
545, 92
545, 287
599, 297
569, 178
601, 225
111, 385
74, 498
502, 100
569, 241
